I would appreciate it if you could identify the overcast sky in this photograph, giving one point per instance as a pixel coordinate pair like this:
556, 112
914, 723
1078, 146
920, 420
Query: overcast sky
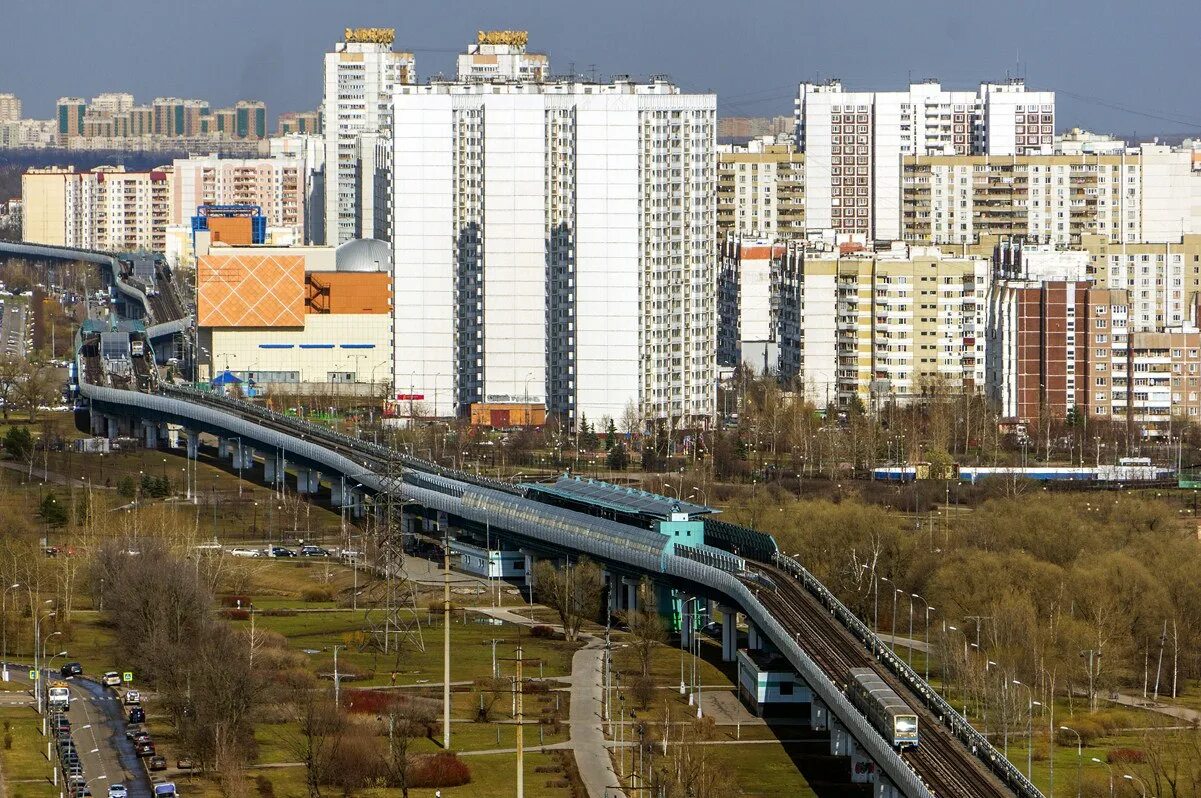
1118, 66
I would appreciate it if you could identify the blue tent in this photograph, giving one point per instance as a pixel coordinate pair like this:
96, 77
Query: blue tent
226, 378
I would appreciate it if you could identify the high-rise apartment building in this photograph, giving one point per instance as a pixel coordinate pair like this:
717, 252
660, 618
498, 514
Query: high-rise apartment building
307, 122
501, 55
1163, 280
10, 107
852, 324
1151, 193
70, 117
761, 191
854, 143
276, 185
554, 242
361, 75
111, 104
106, 208
749, 303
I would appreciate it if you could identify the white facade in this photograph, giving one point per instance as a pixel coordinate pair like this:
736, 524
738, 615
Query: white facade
360, 78
555, 243
854, 143
485, 63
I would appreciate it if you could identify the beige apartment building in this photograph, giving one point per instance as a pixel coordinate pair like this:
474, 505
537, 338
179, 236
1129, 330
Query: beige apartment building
1151, 193
106, 208
274, 184
10, 107
761, 191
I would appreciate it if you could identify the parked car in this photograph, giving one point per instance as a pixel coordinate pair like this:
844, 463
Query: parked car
142, 736
112, 679
157, 763
350, 555
239, 552
313, 551
144, 748
280, 551
137, 715
133, 730
183, 763
71, 669
132, 698
117, 791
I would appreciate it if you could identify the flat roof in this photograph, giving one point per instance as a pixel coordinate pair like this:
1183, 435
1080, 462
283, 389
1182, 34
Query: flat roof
617, 498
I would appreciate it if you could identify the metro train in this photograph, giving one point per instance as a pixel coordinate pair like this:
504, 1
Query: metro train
891, 716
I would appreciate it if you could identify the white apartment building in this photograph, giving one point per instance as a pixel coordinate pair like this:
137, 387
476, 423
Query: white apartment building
854, 143
761, 190
276, 185
10, 107
877, 326
360, 76
554, 242
748, 304
501, 55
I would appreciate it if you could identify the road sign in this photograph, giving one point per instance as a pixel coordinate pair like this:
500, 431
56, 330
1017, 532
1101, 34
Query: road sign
33, 676
127, 676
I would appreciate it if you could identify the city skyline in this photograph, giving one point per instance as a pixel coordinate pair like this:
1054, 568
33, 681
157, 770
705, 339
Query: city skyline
753, 66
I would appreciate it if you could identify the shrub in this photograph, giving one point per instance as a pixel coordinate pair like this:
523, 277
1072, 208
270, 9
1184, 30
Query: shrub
317, 594
235, 601
543, 631
367, 702
1127, 756
279, 612
235, 615
264, 787
442, 769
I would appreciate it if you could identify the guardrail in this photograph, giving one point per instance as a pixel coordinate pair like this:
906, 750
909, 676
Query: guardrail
879, 749
959, 725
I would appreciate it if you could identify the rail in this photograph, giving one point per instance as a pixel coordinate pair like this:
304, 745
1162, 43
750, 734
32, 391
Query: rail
959, 725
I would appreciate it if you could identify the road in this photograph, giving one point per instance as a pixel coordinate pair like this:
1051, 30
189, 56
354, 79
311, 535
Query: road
98, 707
14, 327
98, 730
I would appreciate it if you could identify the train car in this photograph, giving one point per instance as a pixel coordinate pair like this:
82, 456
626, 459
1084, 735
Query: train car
891, 716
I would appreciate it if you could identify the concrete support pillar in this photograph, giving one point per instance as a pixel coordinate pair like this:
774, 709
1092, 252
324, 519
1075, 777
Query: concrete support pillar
356, 503
224, 446
114, 429
754, 640
302, 480
171, 436
96, 422
335, 493
193, 443
729, 633
884, 788
839, 738
631, 586
150, 429
706, 612
271, 469
819, 714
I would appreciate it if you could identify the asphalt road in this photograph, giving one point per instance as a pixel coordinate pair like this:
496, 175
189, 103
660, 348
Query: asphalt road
14, 327
99, 708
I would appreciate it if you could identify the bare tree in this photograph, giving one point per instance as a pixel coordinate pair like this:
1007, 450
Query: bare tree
646, 626
572, 591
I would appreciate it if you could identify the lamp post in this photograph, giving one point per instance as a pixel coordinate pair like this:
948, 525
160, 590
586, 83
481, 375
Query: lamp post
43, 685
1079, 755
929, 609
4, 623
37, 642
1108, 767
1142, 785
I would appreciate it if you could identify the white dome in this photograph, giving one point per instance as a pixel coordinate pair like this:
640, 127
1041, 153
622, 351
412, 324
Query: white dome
364, 255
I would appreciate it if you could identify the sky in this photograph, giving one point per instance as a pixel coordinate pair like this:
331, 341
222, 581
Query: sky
1118, 66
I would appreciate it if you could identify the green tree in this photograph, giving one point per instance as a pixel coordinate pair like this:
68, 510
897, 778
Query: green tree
588, 438
52, 511
18, 442
127, 487
610, 435
618, 458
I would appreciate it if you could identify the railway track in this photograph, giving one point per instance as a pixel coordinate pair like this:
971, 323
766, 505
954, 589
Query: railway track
939, 760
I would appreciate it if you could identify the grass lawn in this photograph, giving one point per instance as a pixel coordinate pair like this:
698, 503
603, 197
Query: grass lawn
26, 772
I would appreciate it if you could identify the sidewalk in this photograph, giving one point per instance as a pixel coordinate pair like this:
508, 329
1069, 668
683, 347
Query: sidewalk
587, 739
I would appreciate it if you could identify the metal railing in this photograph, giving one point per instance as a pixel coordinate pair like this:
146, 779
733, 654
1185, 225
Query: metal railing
959, 725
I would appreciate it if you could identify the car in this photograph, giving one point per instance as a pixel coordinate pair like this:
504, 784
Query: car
131, 698
183, 763
141, 736
280, 551
137, 715
117, 791
145, 748
71, 669
350, 555
157, 763
112, 679
240, 552
313, 551
133, 730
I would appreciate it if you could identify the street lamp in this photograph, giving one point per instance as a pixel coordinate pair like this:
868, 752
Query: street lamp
37, 643
1110, 768
929, 610
1079, 755
1141, 784
4, 623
